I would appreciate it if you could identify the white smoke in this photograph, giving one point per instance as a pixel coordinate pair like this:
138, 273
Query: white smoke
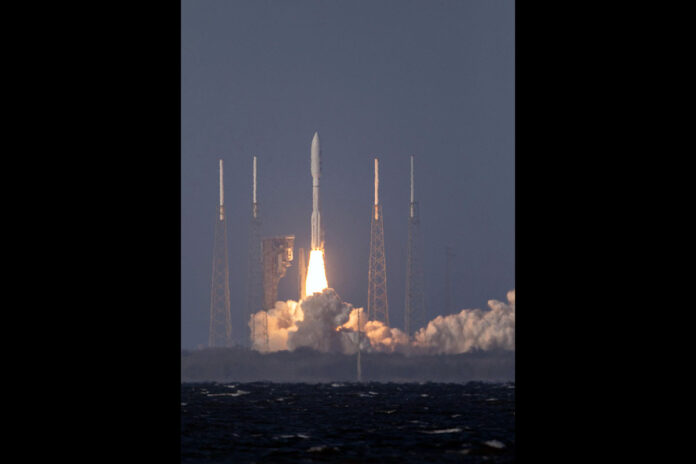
379, 336
323, 313
282, 320
326, 323
313, 322
471, 329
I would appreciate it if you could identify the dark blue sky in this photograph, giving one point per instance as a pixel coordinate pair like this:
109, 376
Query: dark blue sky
375, 78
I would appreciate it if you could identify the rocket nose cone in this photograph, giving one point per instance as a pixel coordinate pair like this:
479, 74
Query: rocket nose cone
315, 139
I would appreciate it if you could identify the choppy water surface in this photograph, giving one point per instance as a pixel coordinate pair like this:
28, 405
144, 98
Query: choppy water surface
347, 422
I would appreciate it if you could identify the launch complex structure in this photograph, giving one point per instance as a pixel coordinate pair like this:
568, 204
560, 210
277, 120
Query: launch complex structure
268, 261
414, 304
377, 302
220, 316
255, 269
270, 257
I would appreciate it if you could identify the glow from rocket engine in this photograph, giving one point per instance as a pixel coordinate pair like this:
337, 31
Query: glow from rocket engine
316, 274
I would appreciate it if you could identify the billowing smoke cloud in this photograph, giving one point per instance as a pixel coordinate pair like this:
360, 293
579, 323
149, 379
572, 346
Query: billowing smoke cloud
314, 322
326, 323
379, 336
282, 320
471, 329
323, 314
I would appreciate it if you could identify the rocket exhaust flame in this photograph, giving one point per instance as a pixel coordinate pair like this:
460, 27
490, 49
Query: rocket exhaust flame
316, 274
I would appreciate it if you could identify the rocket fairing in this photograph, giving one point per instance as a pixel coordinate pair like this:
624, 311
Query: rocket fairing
316, 173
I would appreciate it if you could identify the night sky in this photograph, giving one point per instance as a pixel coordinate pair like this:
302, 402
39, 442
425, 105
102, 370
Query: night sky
380, 79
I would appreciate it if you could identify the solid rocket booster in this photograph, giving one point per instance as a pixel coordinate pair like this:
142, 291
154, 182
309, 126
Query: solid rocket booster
316, 173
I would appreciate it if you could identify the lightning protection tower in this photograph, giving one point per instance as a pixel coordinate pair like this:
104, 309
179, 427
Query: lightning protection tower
220, 317
415, 293
255, 270
377, 303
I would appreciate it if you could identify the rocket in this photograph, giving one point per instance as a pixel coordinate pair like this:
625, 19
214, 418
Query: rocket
315, 164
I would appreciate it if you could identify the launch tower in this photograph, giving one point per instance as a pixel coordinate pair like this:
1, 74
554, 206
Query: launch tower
377, 304
255, 271
220, 317
415, 293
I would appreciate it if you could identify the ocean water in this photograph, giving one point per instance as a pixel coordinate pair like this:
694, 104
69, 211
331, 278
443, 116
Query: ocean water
347, 422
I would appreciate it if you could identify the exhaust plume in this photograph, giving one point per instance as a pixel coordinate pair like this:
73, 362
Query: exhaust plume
316, 273
471, 329
324, 322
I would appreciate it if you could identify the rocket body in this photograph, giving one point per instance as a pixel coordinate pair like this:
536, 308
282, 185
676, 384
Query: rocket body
315, 164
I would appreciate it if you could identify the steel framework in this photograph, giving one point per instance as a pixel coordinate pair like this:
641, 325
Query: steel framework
414, 308
377, 302
415, 292
277, 257
255, 268
254, 277
220, 317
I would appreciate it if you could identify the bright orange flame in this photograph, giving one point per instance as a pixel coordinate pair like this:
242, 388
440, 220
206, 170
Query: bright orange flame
316, 275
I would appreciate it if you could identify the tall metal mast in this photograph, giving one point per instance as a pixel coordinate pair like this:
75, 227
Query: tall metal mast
415, 292
220, 317
255, 271
377, 303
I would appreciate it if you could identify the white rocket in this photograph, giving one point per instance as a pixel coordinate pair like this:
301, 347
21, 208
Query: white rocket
317, 242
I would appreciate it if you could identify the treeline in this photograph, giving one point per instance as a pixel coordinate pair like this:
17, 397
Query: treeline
306, 365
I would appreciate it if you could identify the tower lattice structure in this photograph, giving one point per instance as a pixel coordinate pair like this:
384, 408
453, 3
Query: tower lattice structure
220, 317
414, 308
415, 293
377, 302
255, 280
255, 272
278, 253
